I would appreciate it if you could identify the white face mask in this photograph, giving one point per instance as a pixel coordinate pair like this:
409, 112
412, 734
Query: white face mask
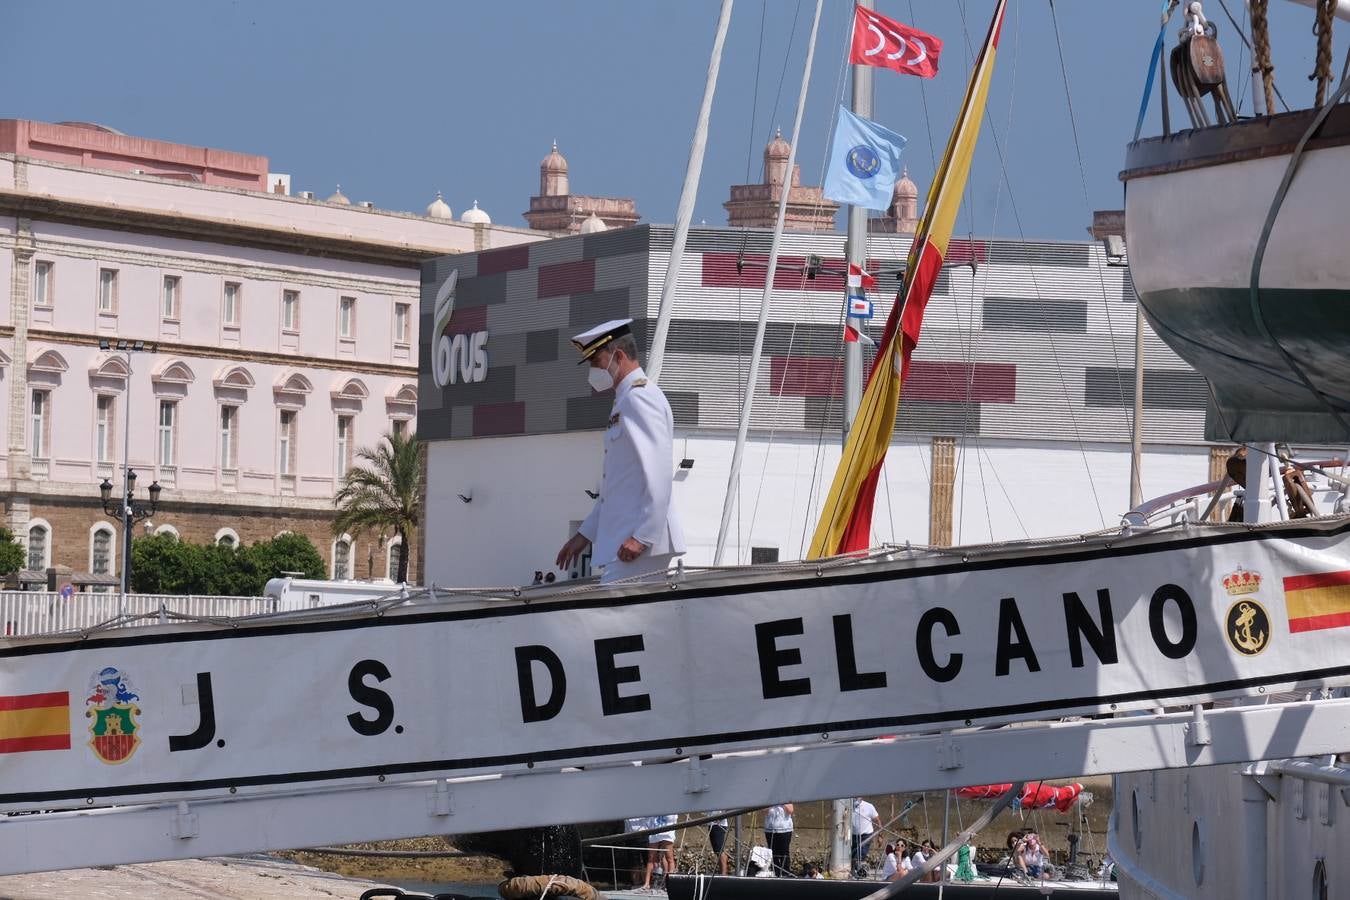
600, 379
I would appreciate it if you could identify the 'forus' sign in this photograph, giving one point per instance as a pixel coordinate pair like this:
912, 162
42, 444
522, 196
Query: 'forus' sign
459, 357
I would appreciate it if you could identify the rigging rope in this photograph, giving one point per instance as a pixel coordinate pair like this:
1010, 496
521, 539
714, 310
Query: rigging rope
1261, 49
1087, 204
1322, 29
836, 96
1168, 7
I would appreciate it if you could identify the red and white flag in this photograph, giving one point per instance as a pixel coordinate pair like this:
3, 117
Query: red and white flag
879, 41
854, 336
857, 278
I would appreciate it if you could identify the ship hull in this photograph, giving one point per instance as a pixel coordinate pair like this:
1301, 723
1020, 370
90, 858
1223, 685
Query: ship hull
1196, 203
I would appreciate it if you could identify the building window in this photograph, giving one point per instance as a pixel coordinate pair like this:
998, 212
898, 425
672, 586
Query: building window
101, 550
395, 557
342, 559
107, 290
762, 555
104, 428
401, 314
286, 443
170, 305
344, 445
227, 537
168, 430
290, 310
399, 428
229, 437
41, 436
346, 316
42, 283
229, 310
38, 541
167, 531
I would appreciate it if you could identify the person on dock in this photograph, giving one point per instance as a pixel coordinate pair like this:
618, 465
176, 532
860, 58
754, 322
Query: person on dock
660, 849
717, 839
778, 835
632, 529
866, 822
890, 863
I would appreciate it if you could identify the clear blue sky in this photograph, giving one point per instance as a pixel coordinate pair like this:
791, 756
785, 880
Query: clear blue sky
397, 100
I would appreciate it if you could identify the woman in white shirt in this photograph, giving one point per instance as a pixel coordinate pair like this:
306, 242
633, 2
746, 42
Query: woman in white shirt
778, 835
890, 866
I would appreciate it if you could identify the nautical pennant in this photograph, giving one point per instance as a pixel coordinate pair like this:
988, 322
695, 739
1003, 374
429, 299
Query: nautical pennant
853, 335
858, 278
879, 41
846, 519
859, 307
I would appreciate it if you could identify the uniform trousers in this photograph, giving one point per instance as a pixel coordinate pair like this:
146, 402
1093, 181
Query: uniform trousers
645, 568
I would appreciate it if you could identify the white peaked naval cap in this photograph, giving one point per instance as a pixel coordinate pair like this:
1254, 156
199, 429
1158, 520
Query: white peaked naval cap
588, 343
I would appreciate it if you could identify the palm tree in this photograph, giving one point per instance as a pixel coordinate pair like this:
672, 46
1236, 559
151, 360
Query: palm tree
383, 493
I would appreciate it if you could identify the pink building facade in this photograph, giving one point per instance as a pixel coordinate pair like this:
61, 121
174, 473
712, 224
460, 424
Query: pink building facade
284, 330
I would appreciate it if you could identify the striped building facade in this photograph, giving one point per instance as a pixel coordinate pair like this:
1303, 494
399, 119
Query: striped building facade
1025, 371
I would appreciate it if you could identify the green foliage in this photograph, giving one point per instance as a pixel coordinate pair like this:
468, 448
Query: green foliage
383, 493
161, 564
12, 556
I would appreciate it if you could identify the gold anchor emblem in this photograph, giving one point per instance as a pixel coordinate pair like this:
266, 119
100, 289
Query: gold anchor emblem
1248, 627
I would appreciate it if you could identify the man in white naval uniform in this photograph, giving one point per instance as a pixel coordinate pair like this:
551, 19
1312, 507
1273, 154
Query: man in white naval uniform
632, 529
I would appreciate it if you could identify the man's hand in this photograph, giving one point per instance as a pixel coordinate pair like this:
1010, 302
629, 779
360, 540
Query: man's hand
631, 549
572, 550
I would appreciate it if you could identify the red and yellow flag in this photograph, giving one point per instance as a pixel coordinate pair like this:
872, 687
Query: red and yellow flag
846, 520
1314, 602
35, 722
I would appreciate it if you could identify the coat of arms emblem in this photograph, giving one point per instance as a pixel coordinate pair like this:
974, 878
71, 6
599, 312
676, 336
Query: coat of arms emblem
111, 709
1247, 625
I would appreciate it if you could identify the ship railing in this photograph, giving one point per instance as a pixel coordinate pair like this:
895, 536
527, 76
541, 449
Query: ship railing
28, 613
1213, 501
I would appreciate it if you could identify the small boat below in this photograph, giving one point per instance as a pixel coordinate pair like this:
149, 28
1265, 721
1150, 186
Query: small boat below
723, 887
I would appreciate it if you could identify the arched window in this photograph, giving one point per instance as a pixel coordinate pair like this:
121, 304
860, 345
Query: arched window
101, 544
395, 555
168, 530
342, 558
39, 544
228, 537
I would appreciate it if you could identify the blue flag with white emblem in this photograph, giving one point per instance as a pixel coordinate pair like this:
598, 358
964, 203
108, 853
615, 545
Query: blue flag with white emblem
864, 162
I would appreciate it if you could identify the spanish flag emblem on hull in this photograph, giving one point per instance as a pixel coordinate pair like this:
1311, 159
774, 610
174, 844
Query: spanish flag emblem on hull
1318, 601
35, 722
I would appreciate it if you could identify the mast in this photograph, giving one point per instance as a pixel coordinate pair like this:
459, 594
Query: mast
685, 212
856, 251
1136, 423
856, 246
748, 405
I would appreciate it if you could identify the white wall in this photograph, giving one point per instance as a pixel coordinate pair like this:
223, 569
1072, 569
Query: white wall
527, 489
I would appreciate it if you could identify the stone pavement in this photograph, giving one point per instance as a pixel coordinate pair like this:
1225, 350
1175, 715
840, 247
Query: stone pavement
244, 878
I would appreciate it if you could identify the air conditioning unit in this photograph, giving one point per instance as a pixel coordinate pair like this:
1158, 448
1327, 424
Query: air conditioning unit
306, 195
366, 204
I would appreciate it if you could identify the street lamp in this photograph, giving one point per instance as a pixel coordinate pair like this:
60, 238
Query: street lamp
129, 511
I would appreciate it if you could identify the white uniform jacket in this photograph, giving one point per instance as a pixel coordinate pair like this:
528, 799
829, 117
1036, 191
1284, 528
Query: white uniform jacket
635, 484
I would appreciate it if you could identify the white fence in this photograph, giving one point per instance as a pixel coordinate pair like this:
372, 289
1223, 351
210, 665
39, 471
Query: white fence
41, 612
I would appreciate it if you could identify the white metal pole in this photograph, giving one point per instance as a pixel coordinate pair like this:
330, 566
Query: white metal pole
856, 251
685, 212
856, 248
1137, 425
743, 428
